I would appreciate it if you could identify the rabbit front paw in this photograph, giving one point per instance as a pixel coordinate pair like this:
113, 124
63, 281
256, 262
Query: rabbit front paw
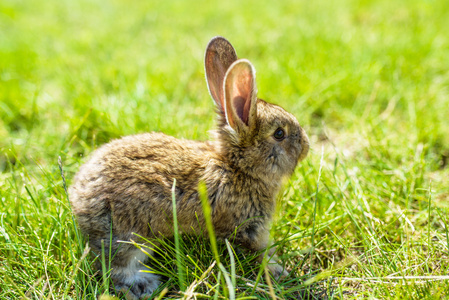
276, 269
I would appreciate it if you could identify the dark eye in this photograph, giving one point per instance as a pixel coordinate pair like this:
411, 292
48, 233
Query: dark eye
279, 134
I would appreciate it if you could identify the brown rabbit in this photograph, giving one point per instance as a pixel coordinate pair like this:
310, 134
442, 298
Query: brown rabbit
125, 187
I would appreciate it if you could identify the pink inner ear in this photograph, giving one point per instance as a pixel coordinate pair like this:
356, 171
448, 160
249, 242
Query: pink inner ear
215, 74
242, 89
219, 57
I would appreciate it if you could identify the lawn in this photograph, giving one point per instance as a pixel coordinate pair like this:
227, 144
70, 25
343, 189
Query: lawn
364, 215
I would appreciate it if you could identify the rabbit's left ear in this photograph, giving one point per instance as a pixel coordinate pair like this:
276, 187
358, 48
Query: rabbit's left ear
219, 56
240, 95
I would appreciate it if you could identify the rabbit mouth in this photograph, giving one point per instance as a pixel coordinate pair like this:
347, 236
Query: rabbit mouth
305, 146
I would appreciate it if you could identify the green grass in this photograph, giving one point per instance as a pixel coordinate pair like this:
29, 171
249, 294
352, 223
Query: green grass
365, 215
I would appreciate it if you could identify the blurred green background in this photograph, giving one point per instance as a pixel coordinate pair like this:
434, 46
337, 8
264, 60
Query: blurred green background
100, 69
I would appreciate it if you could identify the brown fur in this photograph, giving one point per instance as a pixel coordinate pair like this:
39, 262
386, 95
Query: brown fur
126, 184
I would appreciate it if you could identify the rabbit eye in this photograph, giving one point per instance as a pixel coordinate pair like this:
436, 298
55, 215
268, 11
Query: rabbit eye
279, 134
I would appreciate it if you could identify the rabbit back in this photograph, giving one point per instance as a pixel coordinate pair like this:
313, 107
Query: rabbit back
128, 182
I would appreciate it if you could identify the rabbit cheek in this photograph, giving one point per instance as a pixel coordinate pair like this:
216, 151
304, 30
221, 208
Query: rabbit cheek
278, 160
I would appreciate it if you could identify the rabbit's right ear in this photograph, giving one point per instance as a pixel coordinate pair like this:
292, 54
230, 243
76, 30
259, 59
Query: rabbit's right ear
241, 95
219, 56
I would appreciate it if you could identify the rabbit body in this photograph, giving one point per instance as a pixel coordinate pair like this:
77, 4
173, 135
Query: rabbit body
126, 186
128, 182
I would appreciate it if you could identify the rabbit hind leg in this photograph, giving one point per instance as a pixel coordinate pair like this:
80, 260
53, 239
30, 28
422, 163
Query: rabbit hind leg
129, 274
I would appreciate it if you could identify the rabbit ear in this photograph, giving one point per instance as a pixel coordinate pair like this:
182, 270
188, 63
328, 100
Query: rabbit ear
240, 95
219, 56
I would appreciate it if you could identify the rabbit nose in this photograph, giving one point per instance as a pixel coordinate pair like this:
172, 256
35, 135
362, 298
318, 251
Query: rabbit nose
304, 140
299, 137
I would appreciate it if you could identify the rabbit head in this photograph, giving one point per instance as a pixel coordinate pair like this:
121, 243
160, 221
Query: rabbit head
256, 137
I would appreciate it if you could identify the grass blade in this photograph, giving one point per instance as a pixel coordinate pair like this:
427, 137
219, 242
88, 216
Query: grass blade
181, 270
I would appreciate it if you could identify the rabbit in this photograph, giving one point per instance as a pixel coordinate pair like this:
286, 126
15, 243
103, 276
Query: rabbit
125, 187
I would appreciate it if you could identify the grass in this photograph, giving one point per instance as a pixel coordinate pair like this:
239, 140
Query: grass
365, 215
